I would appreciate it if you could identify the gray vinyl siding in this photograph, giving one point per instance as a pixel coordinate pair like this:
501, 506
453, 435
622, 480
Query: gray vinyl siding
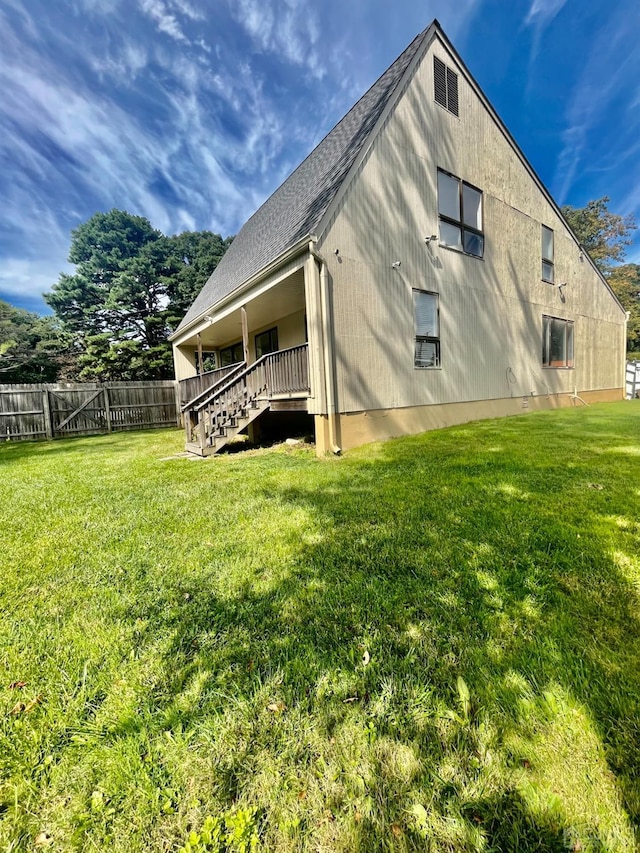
490, 309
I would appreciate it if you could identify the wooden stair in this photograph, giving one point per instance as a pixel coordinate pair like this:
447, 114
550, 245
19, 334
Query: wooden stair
218, 413
227, 429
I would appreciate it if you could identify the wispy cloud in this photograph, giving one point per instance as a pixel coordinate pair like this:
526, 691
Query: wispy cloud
22, 277
123, 62
188, 10
290, 28
165, 21
68, 140
606, 69
542, 12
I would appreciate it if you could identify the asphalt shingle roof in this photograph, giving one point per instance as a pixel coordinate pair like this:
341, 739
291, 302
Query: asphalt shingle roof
296, 208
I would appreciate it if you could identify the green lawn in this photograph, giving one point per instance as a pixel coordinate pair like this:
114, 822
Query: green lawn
432, 643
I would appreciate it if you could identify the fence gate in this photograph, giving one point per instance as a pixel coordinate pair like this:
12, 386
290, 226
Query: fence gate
72, 412
53, 411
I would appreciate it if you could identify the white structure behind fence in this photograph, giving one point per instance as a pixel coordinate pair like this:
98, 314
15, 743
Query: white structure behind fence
633, 379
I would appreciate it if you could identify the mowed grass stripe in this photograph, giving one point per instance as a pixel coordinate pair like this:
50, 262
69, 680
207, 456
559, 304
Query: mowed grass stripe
431, 643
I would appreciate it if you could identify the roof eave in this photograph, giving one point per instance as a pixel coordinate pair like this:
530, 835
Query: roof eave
402, 84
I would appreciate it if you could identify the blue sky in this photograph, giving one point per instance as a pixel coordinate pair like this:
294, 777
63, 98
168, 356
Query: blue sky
191, 112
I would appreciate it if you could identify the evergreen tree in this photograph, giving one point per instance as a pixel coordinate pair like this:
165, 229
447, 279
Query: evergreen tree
131, 286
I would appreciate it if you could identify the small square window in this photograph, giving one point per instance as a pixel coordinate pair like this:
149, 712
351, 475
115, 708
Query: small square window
231, 355
267, 342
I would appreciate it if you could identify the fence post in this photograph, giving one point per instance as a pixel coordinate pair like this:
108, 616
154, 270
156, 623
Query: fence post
46, 412
107, 407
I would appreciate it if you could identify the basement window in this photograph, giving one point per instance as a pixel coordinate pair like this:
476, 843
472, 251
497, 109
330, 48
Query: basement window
557, 342
547, 255
460, 212
445, 86
427, 329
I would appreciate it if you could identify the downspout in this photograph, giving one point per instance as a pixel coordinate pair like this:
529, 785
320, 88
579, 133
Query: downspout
328, 350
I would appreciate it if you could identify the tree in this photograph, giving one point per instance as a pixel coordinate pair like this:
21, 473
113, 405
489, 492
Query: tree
102, 249
603, 234
625, 283
195, 255
31, 347
131, 285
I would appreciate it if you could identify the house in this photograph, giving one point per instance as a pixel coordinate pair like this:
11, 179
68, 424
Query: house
413, 272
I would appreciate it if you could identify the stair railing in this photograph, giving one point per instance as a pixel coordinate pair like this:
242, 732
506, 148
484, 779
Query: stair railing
281, 372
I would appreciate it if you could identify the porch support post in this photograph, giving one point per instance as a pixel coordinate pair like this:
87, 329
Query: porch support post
317, 400
245, 334
199, 339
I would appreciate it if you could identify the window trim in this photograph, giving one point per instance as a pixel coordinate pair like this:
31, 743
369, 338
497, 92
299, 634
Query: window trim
546, 343
461, 224
430, 339
549, 261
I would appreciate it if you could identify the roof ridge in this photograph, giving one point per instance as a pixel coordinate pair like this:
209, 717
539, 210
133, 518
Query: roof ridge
344, 118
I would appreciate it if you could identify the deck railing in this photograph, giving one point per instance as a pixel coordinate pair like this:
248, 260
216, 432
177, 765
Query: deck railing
287, 371
194, 386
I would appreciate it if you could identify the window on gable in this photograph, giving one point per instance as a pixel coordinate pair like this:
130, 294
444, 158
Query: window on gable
460, 212
547, 254
427, 329
557, 342
445, 85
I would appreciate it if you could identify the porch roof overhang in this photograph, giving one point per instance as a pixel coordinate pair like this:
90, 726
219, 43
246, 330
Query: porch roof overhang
268, 277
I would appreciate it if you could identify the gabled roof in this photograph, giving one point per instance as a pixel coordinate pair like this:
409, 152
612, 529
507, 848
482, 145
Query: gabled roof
296, 208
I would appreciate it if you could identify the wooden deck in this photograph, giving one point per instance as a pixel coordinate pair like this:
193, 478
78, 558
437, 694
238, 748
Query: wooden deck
278, 381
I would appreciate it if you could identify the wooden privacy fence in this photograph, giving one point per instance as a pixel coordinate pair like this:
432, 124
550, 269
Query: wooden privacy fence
633, 379
53, 411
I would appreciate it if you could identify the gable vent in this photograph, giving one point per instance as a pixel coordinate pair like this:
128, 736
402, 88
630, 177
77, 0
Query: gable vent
445, 86
440, 77
452, 91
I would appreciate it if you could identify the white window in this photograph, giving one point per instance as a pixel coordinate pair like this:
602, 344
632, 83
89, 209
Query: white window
460, 213
547, 254
427, 329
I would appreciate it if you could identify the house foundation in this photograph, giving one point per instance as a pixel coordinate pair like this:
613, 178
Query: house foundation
356, 428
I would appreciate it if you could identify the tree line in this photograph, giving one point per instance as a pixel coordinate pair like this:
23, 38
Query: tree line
132, 285
605, 236
112, 317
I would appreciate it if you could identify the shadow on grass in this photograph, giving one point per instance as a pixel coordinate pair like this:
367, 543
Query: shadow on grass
501, 562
